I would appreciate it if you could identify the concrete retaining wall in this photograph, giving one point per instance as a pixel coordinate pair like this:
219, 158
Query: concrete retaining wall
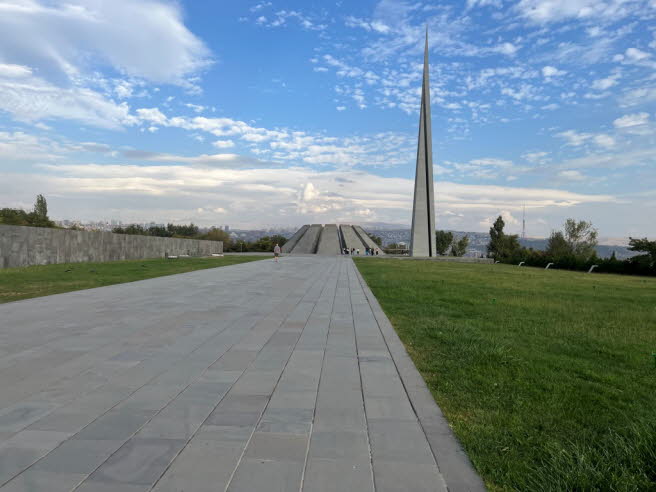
25, 246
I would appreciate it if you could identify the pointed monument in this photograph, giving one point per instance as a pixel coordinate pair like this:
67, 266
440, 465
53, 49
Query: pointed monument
422, 239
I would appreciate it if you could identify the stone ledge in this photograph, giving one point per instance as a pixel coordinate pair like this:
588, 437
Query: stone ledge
453, 462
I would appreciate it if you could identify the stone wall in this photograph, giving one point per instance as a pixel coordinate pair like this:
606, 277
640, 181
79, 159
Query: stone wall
24, 246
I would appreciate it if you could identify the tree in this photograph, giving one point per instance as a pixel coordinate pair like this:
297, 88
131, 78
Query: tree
183, 230
159, 231
38, 217
14, 216
557, 246
443, 240
278, 239
646, 246
502, 246
216, 234
495, 246
378, 240
581, 238
41, 208
134, 229
459, 247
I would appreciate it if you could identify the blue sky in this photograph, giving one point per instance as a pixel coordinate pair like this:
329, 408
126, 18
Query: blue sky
271, 113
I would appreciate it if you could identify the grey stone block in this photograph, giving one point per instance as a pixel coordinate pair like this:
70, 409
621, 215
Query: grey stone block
203, 466
273, 476
19, 416
77, 456
407, 477
115, 425
389, 407
138, 462
44, 481
399, 441
277, 447
340, 445
325, 475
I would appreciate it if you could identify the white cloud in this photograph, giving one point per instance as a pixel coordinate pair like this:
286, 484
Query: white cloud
375, 26
506, 49
536, 157
576, 139
606, 83
152, 115
29, 98
123, 89
195, 107
144, 39
232, 161
258, 196
484, 3
20, 146
635, 97
603, 140
572, 175
544, 11
260, 6
14, 71
281, 18
549, 71
223, 144
54, 54
630, 120
634, 54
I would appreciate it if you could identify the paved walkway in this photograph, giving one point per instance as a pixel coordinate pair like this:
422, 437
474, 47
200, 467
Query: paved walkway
255, 377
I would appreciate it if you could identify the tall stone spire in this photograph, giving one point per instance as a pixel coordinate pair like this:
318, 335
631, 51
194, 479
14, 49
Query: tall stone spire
422, 240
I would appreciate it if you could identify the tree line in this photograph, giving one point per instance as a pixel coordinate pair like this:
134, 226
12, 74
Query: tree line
192, 231
573, 248
37, 217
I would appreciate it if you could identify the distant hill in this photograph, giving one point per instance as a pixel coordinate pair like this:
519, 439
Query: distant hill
478, 242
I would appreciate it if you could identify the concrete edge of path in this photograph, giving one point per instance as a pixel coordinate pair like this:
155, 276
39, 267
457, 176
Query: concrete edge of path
454, 464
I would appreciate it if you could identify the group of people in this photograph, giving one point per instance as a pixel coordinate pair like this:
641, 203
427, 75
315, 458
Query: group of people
356, 251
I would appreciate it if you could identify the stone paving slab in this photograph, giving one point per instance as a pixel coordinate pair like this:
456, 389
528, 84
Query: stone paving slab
262, 376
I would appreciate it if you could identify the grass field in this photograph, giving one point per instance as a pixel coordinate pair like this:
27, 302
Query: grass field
546, 377
36, 281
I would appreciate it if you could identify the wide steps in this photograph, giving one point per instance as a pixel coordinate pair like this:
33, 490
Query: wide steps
307, 244
366, 239
329, 242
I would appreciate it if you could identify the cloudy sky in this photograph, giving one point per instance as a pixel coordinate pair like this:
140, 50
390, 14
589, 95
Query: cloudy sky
286, 112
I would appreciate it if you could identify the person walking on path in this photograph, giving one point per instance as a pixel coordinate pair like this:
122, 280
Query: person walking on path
276, 252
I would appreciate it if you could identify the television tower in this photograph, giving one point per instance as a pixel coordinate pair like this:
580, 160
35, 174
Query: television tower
524, 222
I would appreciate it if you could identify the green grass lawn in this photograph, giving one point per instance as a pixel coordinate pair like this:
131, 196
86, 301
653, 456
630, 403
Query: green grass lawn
546, 377
36, 281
